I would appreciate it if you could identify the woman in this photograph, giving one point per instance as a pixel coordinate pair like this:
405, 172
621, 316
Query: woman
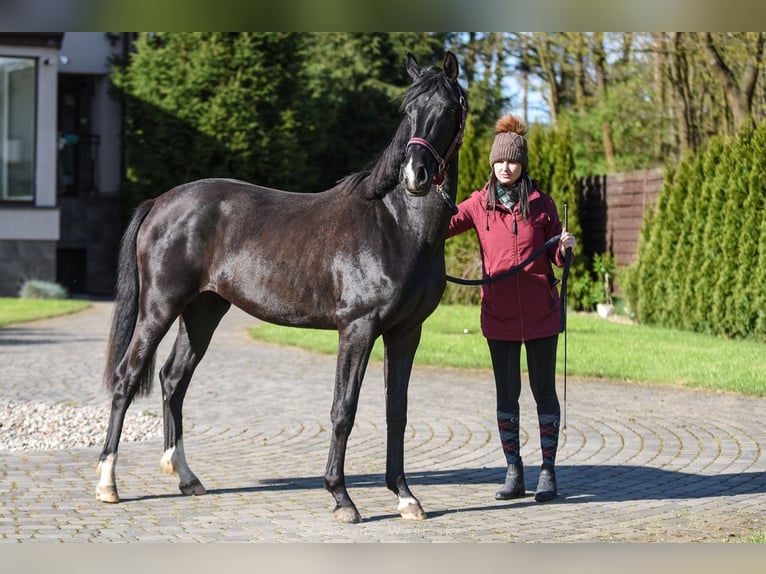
512, 218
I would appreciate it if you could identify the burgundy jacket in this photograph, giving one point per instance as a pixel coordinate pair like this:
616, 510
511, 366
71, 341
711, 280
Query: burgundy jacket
525, 305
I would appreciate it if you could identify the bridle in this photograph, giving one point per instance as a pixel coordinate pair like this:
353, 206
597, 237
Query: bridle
452, 151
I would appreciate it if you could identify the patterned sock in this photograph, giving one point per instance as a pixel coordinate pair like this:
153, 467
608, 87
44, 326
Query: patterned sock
549, 435
508, 425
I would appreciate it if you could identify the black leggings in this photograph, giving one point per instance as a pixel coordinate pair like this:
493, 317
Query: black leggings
541, 364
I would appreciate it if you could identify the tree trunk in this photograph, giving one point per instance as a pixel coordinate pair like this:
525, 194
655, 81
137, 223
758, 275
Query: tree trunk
739, 94
548, 68
599, 63
682, 94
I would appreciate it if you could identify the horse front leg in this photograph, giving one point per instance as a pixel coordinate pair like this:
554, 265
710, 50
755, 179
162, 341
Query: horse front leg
400, 350
354, 346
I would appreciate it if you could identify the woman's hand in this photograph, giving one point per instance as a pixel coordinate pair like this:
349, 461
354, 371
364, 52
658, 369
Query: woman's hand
567, 241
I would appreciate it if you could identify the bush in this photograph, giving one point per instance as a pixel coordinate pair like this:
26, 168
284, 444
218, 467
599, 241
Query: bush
37, 289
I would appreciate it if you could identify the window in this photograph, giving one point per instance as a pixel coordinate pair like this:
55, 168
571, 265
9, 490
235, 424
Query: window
18, 95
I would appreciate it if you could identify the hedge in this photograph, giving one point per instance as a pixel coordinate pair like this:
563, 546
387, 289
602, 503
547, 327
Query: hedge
701, 262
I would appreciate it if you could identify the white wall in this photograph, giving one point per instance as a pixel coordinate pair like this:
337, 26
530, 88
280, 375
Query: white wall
87, 52
28, 223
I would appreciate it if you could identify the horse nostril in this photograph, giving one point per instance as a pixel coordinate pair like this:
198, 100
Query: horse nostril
422, 176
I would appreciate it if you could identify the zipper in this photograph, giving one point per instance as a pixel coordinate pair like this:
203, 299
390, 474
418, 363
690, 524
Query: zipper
515, 230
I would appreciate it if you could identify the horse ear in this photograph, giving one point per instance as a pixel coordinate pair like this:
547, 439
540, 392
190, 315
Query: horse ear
412, 67
451, 67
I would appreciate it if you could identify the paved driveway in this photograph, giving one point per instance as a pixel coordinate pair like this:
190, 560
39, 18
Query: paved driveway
637, 463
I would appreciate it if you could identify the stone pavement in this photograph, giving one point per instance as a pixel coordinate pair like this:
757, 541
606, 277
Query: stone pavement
637, 463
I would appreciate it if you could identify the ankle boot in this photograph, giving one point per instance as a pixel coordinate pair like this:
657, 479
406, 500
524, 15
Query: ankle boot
547, 488
514, 483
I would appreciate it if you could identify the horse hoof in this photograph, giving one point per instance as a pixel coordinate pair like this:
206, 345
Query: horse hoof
412, 512
107, 494
194, 488
347, 515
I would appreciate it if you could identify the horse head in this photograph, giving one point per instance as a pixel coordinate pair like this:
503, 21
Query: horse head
436, 107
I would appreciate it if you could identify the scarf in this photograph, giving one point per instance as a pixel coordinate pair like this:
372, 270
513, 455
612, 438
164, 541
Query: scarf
508, 196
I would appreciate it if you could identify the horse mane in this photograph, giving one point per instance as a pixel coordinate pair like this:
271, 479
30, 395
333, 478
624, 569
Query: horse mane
376, 181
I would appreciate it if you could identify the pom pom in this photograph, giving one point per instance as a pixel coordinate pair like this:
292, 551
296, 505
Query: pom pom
511, 123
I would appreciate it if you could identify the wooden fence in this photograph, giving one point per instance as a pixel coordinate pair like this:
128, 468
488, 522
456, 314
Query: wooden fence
612, 210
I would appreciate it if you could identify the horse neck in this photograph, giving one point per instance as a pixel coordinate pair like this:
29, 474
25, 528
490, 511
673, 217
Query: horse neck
384, 176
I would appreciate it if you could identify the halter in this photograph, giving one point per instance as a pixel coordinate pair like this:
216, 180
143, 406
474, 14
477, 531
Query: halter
441, 162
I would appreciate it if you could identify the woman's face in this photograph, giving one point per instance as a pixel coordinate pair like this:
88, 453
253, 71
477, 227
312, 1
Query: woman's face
507, 172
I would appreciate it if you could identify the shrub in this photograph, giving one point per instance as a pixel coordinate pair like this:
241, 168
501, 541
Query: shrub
38, 289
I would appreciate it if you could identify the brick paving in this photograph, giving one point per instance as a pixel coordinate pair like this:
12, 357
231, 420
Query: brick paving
637, 463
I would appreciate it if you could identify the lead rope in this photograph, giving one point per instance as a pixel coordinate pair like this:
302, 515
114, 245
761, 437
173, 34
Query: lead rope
512, 271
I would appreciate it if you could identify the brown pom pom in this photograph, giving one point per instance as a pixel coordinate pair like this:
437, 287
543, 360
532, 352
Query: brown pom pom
511, 123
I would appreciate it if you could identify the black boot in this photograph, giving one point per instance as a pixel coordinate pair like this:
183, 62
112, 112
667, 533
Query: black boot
546, 484
514, 483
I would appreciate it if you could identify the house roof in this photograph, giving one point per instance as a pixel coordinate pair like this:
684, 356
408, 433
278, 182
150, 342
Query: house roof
44, 39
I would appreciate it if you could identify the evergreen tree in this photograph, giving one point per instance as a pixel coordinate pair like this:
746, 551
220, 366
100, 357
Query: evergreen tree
713, 248
356, 81
691, 280
738, 164
209, 104
293, 111
750, 300
669, 236
647, 274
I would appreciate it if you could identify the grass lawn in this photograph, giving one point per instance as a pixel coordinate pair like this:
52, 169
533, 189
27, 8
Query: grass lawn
13, 310
596, 348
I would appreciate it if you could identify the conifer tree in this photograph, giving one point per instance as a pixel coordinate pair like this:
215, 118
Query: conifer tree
667, 230
738, 165
678, 240
692, 280
713, 248
749, 300
647, 273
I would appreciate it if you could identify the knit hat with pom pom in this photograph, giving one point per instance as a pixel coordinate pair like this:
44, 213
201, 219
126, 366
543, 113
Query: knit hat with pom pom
509, 141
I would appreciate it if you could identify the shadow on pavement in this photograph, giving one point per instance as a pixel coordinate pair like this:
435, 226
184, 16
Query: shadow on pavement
577, 483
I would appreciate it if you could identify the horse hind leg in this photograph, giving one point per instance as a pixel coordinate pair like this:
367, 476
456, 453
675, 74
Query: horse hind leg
195, 330
134, 372
175, 379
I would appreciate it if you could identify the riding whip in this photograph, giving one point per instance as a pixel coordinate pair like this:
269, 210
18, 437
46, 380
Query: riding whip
564, 277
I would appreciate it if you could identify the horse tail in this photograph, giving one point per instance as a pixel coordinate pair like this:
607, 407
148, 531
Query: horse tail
126, 305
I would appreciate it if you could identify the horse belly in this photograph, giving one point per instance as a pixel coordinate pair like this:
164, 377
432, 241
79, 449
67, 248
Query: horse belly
278, 292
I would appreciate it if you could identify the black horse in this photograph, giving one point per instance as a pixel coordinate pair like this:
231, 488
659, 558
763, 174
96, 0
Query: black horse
370, 263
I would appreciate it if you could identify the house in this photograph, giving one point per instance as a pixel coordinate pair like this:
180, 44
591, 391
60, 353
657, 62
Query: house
61, 160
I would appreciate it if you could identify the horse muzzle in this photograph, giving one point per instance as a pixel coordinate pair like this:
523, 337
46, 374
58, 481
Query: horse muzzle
416, 177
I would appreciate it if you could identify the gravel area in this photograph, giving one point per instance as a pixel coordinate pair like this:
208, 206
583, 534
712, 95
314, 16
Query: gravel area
38, 426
